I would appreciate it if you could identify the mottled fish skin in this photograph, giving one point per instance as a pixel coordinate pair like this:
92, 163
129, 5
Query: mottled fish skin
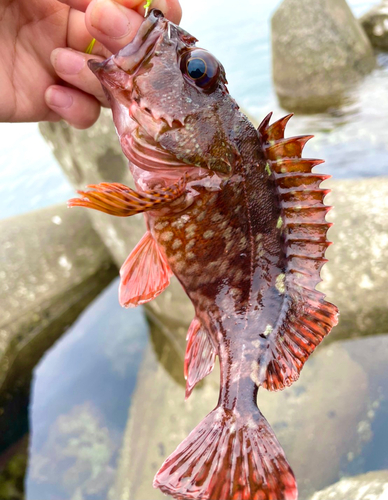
227, 252
238, 217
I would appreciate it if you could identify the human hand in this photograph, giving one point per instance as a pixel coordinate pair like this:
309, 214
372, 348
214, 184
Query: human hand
44, 73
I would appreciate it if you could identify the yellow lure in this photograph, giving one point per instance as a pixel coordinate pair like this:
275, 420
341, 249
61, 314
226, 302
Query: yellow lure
90, 46
146, 7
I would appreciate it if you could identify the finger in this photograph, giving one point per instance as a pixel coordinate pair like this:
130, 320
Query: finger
72, 67
81, 5
51, 116
170, 8
78, 37
114, 25
79, 109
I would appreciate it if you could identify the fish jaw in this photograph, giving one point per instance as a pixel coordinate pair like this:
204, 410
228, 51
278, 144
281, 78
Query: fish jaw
148, 89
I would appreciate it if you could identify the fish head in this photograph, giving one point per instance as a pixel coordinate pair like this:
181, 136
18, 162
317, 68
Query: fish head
170, 101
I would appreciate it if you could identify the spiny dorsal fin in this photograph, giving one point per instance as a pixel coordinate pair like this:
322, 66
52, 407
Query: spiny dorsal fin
307, 317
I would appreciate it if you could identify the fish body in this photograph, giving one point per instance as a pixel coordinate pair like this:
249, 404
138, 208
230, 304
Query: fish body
237, 216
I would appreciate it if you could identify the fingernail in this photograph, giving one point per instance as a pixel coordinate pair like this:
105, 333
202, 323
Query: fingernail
67, 61
58, 98
110, 18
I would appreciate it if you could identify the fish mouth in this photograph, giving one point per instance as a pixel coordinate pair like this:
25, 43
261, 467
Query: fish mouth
138, 127
130, 57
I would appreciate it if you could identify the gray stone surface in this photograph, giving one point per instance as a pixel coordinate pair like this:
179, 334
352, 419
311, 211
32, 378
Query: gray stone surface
370, 486
355, 278
331, 422
375, 24
52, 264
318, 51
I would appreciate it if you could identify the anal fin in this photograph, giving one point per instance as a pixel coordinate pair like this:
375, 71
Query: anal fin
200, 355
145, 273
122, 201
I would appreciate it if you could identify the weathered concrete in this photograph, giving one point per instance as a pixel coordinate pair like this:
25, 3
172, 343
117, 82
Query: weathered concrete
329, 422
375, 24
52, 264
318, 51
370, 486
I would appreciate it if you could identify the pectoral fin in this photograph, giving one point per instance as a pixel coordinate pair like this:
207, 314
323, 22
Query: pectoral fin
122, 201
145, 273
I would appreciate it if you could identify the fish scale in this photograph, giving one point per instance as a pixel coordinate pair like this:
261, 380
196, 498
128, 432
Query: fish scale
238, 216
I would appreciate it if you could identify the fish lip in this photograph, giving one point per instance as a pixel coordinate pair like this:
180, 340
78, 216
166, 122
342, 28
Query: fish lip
133, 54
130, 57
128, 61
151, 30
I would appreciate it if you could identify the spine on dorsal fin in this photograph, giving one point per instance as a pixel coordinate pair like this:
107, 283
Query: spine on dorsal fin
306, 318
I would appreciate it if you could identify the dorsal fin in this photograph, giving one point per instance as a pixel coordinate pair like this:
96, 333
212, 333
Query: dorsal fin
307, 318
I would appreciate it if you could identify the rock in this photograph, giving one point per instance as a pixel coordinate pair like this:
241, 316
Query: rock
356, 275
370, 486
151, 435
375, 24
53, 264
318, 50
13, 465
331, 422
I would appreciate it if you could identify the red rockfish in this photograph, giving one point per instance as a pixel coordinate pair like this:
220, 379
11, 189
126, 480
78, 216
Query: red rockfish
237, 216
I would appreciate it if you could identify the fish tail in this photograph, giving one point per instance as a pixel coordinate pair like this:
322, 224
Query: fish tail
228, 457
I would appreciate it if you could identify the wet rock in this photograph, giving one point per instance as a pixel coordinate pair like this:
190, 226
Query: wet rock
318, 50
331, 422
375, 24
52, 265
371, 486
158, 422
355, 278
13, 466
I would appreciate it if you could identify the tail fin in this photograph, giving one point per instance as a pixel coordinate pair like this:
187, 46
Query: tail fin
228, 457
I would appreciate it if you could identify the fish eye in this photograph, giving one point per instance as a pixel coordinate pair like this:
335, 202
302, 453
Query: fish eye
201, 68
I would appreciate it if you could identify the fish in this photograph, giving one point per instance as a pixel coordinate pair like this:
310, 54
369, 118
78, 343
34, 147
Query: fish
238, 216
